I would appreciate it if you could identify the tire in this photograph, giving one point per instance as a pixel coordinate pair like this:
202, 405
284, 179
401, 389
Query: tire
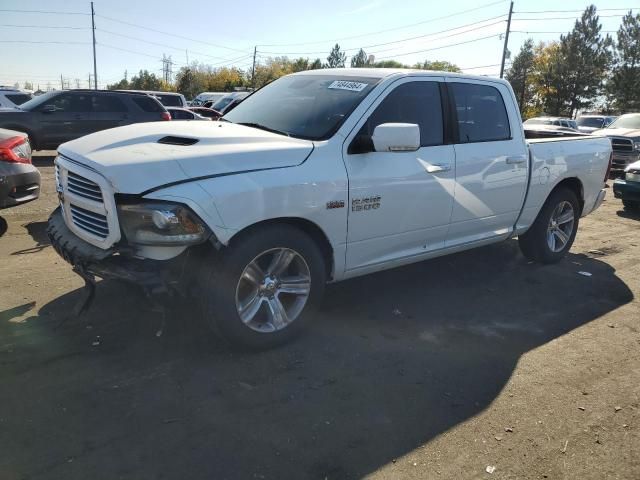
535, 243
630, 205
227, 284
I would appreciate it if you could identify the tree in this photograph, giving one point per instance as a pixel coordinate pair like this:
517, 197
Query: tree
438, 65
121, 85
585, 57
336, 58
145, 81
550, 90
360, 60
623, 88
519, 75
316, 64
189, 82
389, 64
300, 64
28, 86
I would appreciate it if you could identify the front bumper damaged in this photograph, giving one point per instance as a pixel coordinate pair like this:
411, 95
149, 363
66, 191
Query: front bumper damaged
158, 278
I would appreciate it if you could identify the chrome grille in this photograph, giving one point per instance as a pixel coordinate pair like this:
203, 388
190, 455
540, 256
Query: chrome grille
83, 187
91, 222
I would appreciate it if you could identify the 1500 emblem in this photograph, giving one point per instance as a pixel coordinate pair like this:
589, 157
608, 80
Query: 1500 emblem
335, 204
365, 203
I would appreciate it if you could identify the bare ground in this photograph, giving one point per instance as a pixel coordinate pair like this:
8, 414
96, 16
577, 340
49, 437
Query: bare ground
436, 370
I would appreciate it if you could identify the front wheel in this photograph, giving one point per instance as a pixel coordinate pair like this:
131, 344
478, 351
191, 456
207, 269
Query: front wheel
258, 294
629, 205
554, 230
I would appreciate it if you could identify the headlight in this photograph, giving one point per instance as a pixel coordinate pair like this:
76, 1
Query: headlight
636, 145
158, 223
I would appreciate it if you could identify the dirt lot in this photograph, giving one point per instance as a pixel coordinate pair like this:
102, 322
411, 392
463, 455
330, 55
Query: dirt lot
436, 370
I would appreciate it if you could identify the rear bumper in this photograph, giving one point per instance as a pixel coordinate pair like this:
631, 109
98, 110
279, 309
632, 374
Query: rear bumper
626, 190
19, 183
155, 276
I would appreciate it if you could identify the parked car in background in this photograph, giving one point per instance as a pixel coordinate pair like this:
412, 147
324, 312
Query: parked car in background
206, 112
591, 123
57, 117
229, 102
184, 114
19, 179
11, 98
550, 131
319, 176
624, 133
627, 188
553, 121
207, 96
168, 99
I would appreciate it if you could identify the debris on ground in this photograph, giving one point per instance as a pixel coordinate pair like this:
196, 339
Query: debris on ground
564, 449
596, 252
396, 312
581, 408
498, 438
490, 469
585, 274
508, 429
617, 409
97, 341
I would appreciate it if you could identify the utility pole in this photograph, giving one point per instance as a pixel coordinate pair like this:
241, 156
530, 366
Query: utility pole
506, 41
524, 87
93, 31
253, 68
61, 82
90, 80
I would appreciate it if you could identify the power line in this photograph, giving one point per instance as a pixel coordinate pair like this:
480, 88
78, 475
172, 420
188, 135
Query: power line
441, 47
157, 43
562, 18
45, 26
388, 29
43, 11
45, 42
408, 39
556, 32
580, 11
170, 34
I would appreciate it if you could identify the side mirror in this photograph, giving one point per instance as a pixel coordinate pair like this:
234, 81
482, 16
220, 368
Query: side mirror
48, 109
396, 137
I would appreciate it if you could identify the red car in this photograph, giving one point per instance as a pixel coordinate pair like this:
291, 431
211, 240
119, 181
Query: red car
206, 112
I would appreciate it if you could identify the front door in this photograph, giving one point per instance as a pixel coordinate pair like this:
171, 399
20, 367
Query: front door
108, 112
400, 202
69, 118
491, 162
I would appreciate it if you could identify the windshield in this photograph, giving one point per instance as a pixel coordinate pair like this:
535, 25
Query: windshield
627, 121
304, 106
594, 122
37, 101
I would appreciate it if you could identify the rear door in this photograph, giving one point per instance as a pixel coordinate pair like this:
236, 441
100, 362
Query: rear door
491, 162
400, 202
109, 111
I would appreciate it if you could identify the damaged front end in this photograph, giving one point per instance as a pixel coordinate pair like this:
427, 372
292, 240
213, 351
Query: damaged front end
159, 279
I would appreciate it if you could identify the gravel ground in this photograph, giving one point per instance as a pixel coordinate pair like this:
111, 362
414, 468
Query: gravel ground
444, 369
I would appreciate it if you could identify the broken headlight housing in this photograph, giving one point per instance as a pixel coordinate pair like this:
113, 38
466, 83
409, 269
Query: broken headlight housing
161, 223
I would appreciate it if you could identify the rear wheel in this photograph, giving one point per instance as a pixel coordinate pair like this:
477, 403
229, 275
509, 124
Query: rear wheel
554, 230
258, 293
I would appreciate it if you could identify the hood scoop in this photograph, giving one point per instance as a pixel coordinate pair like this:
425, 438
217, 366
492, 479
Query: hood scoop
183, 141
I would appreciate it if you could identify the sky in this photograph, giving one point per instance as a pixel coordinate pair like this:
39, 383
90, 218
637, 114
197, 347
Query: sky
55, 41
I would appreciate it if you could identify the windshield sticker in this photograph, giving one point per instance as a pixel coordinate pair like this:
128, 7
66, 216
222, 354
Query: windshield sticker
345, 85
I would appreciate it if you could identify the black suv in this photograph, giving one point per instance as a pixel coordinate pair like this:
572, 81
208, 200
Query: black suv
60, 116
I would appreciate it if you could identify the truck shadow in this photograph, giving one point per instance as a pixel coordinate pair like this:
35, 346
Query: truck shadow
391, 361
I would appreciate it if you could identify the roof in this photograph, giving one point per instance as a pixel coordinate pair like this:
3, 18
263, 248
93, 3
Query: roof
388, 72
148, 92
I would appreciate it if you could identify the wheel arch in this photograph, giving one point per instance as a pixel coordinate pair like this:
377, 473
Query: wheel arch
307, 226
575, 185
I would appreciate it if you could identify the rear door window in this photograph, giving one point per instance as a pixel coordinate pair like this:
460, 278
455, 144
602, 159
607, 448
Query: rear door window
107, 103
148, 104
482, 115
170, 100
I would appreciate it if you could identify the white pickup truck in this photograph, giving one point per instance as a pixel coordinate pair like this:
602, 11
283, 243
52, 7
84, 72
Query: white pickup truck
318, 177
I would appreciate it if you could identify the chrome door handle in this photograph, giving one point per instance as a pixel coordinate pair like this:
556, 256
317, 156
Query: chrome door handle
517, 159
436, 167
